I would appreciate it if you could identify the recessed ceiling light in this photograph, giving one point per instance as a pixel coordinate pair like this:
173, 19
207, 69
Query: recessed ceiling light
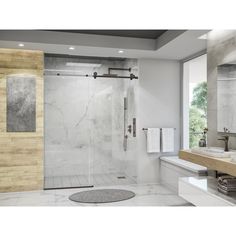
21, 45
83, 64
120, 51
204, 36
72, 48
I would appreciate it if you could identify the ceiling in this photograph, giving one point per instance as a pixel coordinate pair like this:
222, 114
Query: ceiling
146, 34
170, 44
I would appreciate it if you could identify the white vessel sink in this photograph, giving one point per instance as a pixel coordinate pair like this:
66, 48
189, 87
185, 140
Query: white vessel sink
214, 152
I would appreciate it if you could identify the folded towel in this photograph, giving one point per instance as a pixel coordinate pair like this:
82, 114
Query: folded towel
153, 140
168, 144
227, 180
223, 191
227, 184
223, 177
227, 192
229, 189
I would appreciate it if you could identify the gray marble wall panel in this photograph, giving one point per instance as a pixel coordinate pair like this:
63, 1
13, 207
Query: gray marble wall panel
226, 98
21, 104
67, 133
84, 121
221, 49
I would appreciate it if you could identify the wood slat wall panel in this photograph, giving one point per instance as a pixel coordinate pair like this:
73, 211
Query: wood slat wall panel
21, 59
21, 154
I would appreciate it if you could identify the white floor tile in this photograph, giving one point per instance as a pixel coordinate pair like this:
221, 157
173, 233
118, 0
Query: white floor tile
146, 195
83, 180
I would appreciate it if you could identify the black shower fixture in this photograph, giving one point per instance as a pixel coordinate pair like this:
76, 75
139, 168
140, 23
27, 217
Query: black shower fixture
109, 75
95, 75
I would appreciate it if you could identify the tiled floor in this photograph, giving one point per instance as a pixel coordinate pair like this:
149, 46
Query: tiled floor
82, 180
146, 195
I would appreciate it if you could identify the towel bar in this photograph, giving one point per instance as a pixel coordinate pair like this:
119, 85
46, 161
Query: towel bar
147, 128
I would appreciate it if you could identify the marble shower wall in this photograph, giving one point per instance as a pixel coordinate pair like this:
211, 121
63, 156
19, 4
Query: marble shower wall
84, 120
221, 49
226, 97
65, 105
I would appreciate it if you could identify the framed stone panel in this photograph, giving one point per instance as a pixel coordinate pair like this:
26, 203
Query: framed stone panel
21, 103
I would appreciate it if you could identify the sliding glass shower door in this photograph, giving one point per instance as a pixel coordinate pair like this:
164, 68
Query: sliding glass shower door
67, 132
112, 112
89, 131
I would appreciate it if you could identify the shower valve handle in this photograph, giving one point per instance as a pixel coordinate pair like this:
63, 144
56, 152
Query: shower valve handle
130, 128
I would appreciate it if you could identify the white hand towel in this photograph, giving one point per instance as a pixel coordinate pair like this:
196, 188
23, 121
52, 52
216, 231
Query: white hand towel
168, 137
153, 140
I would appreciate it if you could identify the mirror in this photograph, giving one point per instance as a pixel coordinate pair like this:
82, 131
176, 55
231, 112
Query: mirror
226, 97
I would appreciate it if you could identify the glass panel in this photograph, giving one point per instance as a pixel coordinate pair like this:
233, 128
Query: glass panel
109, 126
194, 102
129, 163
89, 136
67, 132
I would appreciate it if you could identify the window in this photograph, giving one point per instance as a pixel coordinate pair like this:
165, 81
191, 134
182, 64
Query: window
194, 100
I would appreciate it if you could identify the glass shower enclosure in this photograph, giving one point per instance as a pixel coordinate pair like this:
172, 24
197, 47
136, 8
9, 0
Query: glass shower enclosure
90, 129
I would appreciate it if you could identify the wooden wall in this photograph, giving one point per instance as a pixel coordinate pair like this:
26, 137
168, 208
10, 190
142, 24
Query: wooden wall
21, 154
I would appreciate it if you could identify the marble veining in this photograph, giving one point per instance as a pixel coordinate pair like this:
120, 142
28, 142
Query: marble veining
226, 97
84, 124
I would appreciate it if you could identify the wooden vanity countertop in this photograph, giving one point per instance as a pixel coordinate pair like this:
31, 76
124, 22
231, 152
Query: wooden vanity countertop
224, 165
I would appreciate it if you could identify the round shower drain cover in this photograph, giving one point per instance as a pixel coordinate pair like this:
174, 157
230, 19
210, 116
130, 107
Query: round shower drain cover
102, 196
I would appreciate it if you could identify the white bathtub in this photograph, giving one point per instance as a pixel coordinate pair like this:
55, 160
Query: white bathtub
171, 168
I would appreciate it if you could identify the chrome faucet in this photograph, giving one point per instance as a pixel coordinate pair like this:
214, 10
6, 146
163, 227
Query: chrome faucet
225, 138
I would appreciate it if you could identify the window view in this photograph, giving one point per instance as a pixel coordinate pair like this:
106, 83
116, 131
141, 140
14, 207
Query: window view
197, 112
195, 101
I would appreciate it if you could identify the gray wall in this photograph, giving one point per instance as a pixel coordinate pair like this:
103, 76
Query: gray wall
221, 48
158, 106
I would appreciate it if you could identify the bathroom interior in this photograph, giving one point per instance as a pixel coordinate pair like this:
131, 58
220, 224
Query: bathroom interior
118, 118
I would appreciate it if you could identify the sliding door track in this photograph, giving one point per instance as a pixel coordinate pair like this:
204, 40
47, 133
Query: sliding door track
53, 188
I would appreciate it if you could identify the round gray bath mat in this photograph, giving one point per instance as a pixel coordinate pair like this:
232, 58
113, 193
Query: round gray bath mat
102, 196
